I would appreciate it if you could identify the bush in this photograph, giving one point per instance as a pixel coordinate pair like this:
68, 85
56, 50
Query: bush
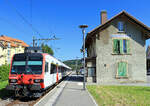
4, 72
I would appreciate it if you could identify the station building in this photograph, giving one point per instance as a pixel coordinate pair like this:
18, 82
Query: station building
116, 50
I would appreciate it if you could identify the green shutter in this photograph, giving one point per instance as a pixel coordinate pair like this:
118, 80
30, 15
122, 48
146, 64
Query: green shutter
119, 68
125, 69
121, 46
128, 46
115, 46
122, 69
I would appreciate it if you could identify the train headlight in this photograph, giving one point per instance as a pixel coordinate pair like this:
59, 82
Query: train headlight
38, 80
12, 80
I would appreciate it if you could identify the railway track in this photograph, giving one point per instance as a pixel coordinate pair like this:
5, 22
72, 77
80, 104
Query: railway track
28, 101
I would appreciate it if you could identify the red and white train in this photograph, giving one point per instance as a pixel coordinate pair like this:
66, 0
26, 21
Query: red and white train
32, 73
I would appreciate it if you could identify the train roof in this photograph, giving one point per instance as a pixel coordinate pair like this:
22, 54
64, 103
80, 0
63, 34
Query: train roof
56, 61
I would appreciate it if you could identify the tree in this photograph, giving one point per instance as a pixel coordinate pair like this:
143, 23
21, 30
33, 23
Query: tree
47, 49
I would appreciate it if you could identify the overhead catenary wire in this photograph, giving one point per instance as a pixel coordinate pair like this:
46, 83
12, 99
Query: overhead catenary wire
24, 19
30, 23
12, 24
31, 10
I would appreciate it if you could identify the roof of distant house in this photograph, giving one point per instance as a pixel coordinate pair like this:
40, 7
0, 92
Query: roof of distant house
13, 42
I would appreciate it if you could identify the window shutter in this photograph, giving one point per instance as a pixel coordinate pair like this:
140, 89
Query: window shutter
119, 69
125, 69
122, 69
115, 46
121, 46
128, 46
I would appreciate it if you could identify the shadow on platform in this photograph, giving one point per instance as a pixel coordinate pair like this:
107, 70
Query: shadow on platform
75, 78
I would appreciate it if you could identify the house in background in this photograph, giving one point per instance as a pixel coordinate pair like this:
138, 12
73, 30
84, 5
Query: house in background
8, 47
116, 50
2, 53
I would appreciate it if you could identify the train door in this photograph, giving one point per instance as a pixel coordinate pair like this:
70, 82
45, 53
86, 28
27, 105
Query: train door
53, 72
46, 75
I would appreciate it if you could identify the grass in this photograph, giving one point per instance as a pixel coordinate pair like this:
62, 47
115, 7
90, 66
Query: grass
3, 92
120, 95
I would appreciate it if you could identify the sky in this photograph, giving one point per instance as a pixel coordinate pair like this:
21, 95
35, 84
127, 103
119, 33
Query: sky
62, 18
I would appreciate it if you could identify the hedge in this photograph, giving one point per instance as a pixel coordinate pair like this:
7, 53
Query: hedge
4, 72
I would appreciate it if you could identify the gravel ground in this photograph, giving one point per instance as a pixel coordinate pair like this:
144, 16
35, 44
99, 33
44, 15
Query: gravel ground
5, 102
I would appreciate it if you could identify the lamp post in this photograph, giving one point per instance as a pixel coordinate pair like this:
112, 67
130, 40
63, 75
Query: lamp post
83, 31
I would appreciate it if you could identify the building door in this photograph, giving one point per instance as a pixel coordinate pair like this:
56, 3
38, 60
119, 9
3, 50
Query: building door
92, 73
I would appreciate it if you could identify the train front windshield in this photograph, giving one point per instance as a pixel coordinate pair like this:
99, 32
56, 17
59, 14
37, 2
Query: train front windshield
28, 64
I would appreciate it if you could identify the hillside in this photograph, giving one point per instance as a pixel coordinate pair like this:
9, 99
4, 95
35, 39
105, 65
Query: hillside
72, 63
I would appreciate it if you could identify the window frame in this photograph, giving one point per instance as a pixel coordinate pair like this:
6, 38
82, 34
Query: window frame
117, 74
93, 74
119, 23
121, 52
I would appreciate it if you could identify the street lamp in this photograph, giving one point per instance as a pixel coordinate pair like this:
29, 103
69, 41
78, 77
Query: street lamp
83, 31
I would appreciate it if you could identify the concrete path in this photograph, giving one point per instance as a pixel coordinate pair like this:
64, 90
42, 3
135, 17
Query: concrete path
73, 94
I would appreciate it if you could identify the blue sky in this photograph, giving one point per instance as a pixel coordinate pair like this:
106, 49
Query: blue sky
62, 18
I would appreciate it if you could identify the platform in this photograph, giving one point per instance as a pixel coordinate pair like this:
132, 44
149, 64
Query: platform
69, 93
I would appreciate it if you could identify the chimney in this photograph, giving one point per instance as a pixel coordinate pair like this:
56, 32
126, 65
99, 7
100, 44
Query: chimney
103, 16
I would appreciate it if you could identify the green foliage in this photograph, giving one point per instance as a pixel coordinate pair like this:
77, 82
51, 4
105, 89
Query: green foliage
47, 49
72, 64
4, 72
3, 84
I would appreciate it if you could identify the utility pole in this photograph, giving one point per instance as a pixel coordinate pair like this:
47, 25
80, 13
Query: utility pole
33, 41
48, 39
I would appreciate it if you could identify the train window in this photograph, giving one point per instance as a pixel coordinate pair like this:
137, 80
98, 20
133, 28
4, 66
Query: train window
18, 67
18, 63
19, 58
59, 69
46, 67
35, 58
34, 62
53, 68
34, 67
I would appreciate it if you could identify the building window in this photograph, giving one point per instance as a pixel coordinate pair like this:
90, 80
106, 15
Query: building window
125, 46
121, 46
121, 26
122, 69
91, 72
